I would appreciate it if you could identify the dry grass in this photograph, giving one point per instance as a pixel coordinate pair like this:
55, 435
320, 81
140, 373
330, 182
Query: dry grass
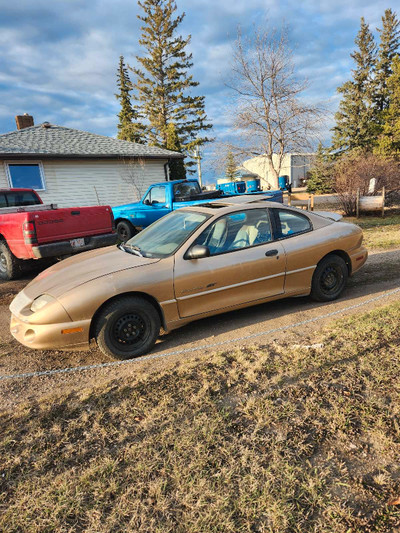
271, 439
379, 233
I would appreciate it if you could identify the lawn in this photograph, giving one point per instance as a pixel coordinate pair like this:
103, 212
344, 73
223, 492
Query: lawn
274, 439
379, 233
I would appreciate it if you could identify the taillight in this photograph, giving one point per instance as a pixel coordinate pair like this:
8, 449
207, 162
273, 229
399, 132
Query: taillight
29, 231
112, 220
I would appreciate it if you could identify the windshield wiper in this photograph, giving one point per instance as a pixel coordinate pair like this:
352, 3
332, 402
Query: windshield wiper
131, 249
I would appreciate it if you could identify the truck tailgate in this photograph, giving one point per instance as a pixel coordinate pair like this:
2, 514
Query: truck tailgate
71, 223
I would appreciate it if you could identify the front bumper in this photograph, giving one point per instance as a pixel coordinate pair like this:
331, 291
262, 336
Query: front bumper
358, 259
63, 336
57, 249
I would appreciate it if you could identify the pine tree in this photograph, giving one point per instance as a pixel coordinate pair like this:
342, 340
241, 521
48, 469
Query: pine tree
163, 84
389, 140
129, 129
320, 179
230, 169
355, 126
388, 47
177, 169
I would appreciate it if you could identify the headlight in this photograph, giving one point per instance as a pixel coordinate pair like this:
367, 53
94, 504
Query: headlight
41, 301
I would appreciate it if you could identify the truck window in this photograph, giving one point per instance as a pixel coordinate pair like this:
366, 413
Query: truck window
186, 189
3, 201
21, 198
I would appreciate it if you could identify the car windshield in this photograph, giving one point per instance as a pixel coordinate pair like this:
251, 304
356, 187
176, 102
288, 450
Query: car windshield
166, 235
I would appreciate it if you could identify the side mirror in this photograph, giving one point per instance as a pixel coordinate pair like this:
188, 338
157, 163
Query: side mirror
197, 252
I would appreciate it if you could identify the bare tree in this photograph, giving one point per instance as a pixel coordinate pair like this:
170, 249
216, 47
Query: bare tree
133, 175
269, 111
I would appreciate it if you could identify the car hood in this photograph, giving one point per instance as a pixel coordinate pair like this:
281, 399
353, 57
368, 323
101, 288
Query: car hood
81, 268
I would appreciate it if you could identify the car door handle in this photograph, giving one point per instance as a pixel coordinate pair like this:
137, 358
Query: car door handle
271, 253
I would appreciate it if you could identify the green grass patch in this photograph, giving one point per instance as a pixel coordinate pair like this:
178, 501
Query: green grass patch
275, 439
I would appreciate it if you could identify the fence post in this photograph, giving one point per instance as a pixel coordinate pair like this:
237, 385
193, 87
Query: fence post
312, 202
358, 204
289, 201
383, 201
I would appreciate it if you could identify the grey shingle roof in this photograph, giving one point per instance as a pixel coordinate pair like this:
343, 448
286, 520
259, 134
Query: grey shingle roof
57, 141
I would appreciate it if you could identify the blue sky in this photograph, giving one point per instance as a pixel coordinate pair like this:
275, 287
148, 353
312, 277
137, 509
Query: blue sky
58, 59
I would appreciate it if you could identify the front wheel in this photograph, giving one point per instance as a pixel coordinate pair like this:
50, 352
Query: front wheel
330, 278
125, 230
127, 327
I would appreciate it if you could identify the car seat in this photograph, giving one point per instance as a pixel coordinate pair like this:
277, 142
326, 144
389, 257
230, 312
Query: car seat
218, 236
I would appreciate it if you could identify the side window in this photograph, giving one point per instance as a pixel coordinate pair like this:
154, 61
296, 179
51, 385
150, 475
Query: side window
156, 195
290, 223
238, 230
3, 201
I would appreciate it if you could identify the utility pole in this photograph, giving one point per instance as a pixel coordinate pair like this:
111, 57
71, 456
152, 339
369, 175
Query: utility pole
197, 155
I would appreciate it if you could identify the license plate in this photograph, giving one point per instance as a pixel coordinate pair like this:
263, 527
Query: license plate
77, 243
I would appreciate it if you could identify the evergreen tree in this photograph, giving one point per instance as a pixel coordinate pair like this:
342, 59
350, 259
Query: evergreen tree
388, 47
320, 180
177, 169
355, 125
163, 84
230, 169
129, 129
389, 140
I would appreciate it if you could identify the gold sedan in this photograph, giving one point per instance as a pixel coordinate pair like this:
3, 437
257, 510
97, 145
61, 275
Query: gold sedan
195, 262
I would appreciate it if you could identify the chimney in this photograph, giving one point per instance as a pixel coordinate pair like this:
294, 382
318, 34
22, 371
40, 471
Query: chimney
24, 121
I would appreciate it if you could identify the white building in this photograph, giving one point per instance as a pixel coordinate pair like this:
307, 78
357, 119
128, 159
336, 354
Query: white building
295, 166
70, 167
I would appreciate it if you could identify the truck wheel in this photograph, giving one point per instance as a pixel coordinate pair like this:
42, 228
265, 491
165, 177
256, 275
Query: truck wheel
329, 279
125, 230
10, 266
127, 327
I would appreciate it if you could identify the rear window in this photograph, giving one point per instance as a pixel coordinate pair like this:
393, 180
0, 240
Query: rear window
19, 198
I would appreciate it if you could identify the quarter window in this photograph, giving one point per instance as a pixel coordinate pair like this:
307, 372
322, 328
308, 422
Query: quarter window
26, 175
290, 223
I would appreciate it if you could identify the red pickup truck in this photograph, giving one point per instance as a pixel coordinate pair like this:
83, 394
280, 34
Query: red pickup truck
30, 230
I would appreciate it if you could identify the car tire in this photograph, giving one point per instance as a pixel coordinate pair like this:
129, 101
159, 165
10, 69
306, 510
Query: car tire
10, 266
127, 327
329, 279
125, 230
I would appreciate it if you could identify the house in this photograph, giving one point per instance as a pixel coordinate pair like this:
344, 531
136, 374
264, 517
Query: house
294, 165
70, 167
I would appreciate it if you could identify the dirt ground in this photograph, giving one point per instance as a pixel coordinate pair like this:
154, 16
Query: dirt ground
380, 274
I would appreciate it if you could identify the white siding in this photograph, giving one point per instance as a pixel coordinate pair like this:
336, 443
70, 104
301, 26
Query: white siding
93, 182
293, 165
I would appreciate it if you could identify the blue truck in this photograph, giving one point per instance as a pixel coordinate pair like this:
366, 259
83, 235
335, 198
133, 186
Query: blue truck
162, 198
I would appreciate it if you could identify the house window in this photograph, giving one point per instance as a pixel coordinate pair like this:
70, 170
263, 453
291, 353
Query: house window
26, 175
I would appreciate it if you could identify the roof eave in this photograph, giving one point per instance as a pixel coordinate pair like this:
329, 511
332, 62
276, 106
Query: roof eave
21, 155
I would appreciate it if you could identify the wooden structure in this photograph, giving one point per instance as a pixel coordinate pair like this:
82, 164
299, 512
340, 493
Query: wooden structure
370, 203
304, 200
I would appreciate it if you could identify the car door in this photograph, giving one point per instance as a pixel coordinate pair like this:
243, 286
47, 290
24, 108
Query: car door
302, 246
245, 265
156, 203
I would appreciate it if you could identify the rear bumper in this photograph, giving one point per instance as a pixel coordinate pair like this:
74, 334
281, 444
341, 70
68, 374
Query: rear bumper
66, 336
56, 249
358, 259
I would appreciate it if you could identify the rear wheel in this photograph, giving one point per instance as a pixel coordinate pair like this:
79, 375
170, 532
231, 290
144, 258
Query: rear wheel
125, 230
329, 279
10, 266
127, 327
